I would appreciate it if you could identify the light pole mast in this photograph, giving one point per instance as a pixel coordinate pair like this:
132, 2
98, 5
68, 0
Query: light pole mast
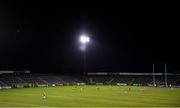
84, 41
85, 62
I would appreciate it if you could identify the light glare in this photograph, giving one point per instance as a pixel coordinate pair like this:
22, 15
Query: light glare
84, 39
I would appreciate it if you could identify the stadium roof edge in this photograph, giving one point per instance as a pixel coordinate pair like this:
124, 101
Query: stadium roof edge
126, 73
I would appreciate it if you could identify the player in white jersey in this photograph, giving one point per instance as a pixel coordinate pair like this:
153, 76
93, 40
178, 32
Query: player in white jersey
44, 96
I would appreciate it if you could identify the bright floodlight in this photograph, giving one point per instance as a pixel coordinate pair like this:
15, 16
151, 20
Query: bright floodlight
84, 39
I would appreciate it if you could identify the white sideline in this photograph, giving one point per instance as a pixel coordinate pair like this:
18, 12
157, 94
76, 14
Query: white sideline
35, 105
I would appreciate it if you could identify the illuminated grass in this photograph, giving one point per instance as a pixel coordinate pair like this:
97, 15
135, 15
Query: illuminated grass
115, 96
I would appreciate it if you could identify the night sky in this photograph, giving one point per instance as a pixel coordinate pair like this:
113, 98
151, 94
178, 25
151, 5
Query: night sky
43, 36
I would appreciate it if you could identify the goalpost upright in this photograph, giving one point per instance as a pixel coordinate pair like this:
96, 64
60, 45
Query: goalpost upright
165, 75
154, 76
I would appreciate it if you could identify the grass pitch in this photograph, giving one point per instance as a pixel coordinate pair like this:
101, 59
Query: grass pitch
90, 96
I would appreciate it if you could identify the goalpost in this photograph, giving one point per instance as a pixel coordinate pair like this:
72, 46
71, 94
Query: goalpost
165, 76
154, 84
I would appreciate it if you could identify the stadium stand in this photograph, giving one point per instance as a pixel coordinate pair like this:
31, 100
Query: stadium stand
33, 80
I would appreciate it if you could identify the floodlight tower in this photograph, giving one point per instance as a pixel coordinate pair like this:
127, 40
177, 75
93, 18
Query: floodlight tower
84, 41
